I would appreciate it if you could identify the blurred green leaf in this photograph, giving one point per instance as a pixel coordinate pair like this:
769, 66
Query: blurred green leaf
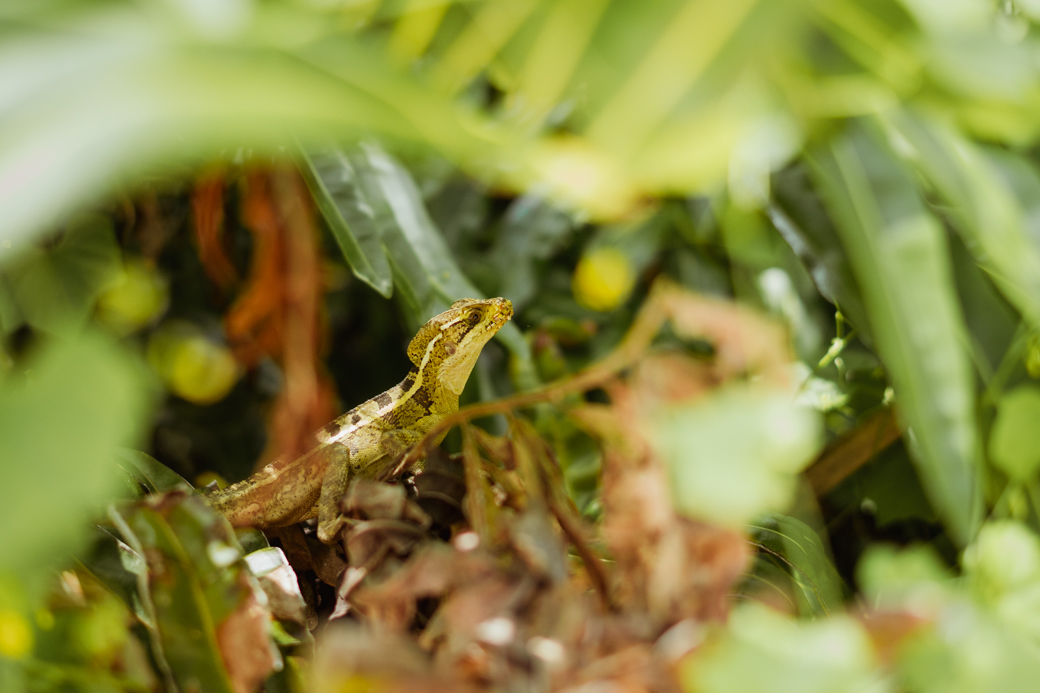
10, 317
130, 92
736, 454
1002, 568
799, 216
61, 425
55, 288
209, 630
763, 651
1014, 443
966, 652
532, 230
990, 318
351, 217
794, 542
890, 487
912, 578
983, 206
1004, 563
900, 258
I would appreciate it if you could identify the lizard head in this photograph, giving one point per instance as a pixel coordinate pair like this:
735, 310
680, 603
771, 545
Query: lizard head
446, 348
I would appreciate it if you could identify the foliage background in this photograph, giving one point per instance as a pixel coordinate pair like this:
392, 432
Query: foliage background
862, 170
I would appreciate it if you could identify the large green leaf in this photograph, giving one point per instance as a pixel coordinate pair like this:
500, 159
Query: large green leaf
532, 230
60, 428
422, 265
798, 215
901, 261
1014, 443
128, 93
350, 215
980, 189
736, 454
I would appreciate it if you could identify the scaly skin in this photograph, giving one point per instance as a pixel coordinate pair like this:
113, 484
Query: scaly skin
371, 435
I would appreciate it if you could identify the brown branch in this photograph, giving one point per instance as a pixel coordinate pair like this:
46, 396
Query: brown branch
593, 566
851, 451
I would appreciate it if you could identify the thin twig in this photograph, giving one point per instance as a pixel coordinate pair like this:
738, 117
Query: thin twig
639, 336
593, 566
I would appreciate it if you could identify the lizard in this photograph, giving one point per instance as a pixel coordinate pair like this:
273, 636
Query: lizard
371, 436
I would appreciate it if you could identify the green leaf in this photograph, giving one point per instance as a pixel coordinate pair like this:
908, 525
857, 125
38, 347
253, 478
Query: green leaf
901, 261
736, 454
11, 317
983, 206
909, 577
1014, 444
532, 230
1005, 560
763, 651
820, 588
980, 655
150, 472
991, 319
88, 100
350, 215
60, 427
422, 263
55, 288
798, 215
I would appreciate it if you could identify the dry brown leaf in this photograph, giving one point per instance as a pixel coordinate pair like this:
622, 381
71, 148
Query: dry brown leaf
245, 644
353, 658
745, 341
432, 571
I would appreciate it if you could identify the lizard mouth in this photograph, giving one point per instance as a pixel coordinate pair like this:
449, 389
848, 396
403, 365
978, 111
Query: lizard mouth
505, 311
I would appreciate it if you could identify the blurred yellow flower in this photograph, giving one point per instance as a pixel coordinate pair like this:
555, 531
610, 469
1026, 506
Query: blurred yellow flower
603, 279
16, 638
192, 365
202, 371
135, 298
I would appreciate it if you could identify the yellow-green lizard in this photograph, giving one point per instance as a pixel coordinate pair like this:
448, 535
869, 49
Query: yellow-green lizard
373, 434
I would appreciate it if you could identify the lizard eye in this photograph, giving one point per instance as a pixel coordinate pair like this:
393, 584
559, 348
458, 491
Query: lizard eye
473, 318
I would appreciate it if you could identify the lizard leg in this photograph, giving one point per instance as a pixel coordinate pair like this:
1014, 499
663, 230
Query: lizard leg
333, 488
367, 463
